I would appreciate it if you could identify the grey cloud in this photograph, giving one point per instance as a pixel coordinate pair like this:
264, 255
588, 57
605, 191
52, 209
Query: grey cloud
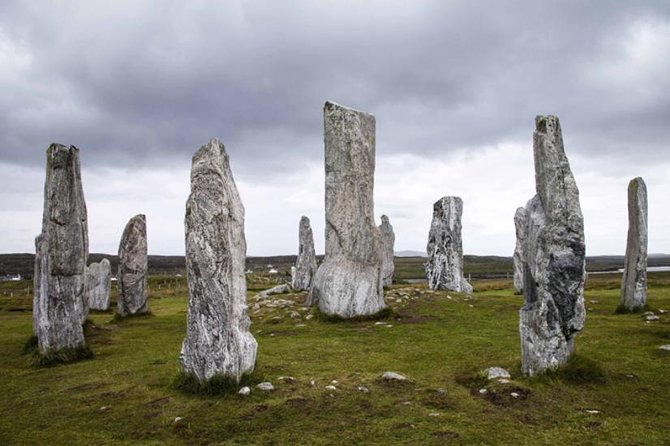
149, 84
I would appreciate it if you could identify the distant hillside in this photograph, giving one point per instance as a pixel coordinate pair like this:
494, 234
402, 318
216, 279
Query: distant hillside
406, 266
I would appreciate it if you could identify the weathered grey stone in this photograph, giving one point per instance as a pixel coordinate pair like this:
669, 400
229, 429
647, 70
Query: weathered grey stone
278, 289
553, 257
444, 269
305, 265
61, 255
520, 218
393, 376
218, 341
496, 373
265, 386
349, 281
98, 285
634, 281
133, 266
388, 240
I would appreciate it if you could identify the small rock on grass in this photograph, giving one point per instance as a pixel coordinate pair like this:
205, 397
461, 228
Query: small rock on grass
651, 317
497, 373
665, 347
244, 391
177, 420
265, 386
332, 388
393, 376
363, 389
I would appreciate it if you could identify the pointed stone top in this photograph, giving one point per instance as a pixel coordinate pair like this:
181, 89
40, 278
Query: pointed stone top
329, 106
385, 219
304, 220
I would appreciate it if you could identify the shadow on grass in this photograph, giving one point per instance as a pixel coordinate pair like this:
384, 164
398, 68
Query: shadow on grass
383, 314
189, 384
578, 370
130, 317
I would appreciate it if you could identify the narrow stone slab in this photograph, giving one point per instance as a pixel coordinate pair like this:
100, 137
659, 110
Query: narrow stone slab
98, 285
61, 254
444, 269
634, 281
305, 266
520, 222
218, 341
349, 281
388, 239
553, 257
133, 266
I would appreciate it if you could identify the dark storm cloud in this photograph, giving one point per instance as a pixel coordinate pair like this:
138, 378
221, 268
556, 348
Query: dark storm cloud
149, 82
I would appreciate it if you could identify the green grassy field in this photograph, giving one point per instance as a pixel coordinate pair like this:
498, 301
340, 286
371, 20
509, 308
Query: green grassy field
439, 340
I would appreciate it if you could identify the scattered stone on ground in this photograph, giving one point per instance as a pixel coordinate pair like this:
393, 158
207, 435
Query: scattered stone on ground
265, 386
244, 390
363, 389
665, 347
497, 373
393, 376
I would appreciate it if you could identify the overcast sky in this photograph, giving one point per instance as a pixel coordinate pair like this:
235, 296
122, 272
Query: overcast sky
455, 86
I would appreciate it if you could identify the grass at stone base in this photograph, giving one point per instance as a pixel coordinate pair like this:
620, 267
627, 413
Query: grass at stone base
125, 395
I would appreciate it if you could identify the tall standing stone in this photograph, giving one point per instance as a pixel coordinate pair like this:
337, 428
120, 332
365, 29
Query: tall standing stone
553, 256
520, 226
133, 266
634, 282
388, 239
61, 255
98, 285
305, 265
218, 340
444, 269
349, 281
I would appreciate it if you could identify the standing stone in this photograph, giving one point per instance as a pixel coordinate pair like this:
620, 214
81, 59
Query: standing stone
388, 238
444, 269
349, 281
133, 265
98, 285
218, 341
520, 225
305, 265
634, 282
61, 255
553, 256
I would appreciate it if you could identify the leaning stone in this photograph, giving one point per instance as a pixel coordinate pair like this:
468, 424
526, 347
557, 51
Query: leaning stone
349, 281
59, 302
497, 373
520, 218
218, 341
393, 376
133, 266
553, 257
634, 281
444, 269
388, 238
98, 285
305, 265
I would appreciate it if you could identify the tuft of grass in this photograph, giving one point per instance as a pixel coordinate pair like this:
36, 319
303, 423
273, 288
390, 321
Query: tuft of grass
383, 314
578, 370
62, 356
30, 346
217, 385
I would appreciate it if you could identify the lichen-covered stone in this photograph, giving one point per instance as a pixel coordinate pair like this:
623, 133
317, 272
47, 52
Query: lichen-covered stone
305, 265
388, 240
98, 285
553, 257
349, 281
520, 226
133, 266
218, 340
61, 255
634, 281
444, 268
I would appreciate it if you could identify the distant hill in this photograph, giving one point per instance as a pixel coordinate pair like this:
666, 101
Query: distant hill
408, 263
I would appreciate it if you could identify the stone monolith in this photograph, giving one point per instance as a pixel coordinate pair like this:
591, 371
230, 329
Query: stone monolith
444, 268
349, 281
218, 341
133, 266
388, 239
553, 256
61, 255
305, 265
517, 259
98, 285
634, 281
